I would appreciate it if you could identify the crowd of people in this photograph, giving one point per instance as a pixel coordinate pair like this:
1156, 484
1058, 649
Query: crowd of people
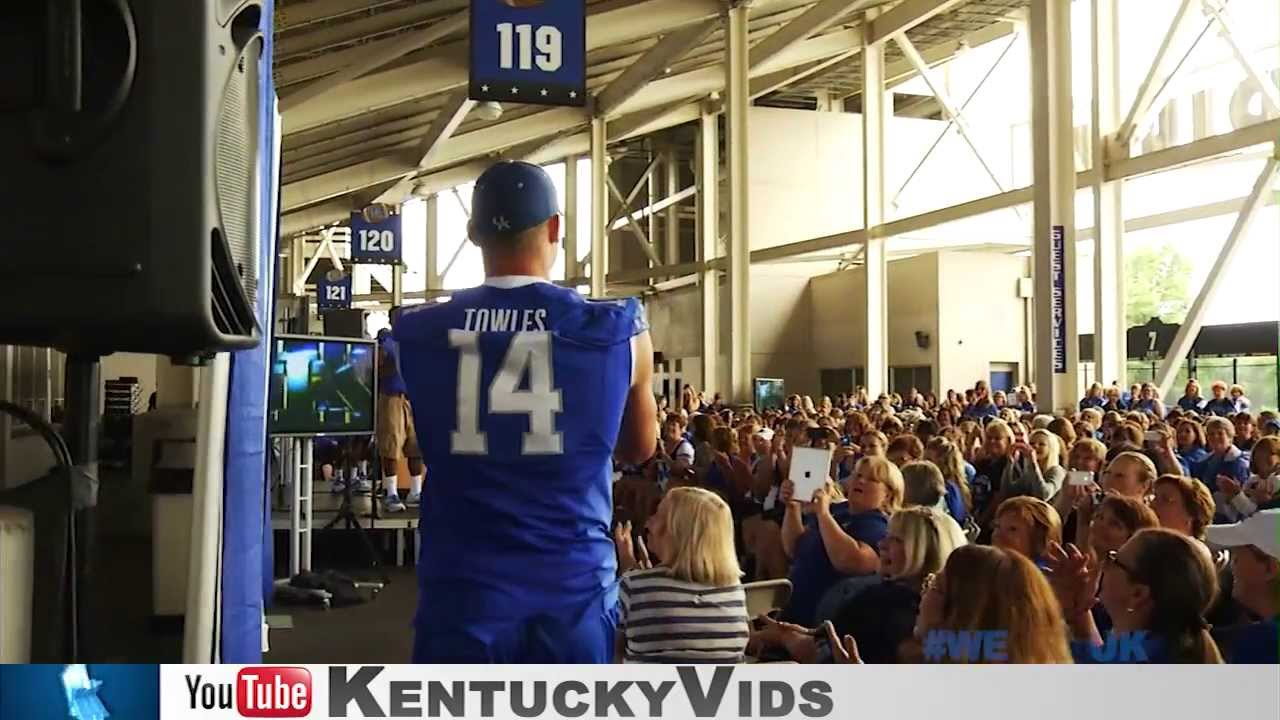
1123, 521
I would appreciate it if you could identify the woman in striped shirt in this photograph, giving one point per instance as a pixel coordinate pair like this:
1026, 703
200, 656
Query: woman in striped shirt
690, 608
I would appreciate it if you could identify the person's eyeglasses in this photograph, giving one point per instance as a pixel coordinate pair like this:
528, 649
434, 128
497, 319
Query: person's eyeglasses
929, 582
1113, 558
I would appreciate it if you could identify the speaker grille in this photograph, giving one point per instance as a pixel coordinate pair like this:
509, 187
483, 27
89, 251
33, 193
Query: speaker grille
234, 167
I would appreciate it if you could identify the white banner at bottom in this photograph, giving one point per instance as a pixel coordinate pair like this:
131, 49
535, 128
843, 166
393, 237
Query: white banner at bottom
902, 692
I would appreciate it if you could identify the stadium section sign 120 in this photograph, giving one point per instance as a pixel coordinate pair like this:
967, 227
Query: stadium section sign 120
529, 51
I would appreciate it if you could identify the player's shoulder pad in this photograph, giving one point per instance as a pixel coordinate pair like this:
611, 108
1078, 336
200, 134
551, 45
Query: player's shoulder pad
411, 315
606, 322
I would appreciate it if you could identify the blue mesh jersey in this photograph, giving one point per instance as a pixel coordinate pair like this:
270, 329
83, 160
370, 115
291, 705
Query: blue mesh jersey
389, 380
523, 385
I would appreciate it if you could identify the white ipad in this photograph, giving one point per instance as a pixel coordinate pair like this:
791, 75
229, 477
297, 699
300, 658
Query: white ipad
809, 470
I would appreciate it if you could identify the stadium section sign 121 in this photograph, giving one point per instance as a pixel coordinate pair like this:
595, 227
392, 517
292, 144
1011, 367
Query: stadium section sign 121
529, 51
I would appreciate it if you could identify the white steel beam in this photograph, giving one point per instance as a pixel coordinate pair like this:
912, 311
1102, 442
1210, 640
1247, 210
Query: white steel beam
813, 20
875, 112
655, 63
432, 208
905, 16
738, 107
1268, 89
630, 222
442, 128
1053, 159
291, 16
290, 45
655, 208
671, 228
1151, 85
940, 93
571, 214
599, 207
708, 238
1190, 327
1110, 342
375, 56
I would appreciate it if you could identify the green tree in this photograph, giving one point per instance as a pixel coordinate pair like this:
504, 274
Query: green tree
1157, 281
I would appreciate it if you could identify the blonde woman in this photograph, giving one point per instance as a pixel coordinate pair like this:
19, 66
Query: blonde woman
1028, 526
835, 538
665, 609
880, 618
1035, 469
985, 589
946, 455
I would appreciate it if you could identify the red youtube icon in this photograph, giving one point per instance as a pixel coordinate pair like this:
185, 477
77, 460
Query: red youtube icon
273, 692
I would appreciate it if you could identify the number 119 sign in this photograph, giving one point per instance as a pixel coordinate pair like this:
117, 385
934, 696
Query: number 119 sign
529, 51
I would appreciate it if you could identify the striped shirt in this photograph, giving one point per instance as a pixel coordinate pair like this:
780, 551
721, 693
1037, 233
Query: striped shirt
665, 620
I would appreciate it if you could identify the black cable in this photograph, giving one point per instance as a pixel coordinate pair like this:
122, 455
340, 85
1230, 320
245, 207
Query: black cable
61, 453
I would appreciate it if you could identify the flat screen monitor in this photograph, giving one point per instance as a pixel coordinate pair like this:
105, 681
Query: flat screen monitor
321, 386
770, 394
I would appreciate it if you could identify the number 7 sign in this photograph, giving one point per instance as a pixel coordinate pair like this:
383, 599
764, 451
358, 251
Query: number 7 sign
529, 51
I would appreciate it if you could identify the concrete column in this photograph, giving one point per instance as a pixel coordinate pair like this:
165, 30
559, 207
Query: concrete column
671, 228
708, 238
599, 208
1109, 325
874, 117
737, 106
1053, 247
651, 185
571, 269
432, 205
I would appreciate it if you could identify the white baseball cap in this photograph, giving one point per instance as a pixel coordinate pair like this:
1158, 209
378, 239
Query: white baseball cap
1262, 530
765, 434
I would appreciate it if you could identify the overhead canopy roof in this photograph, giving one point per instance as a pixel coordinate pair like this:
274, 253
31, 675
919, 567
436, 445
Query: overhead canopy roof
373, 92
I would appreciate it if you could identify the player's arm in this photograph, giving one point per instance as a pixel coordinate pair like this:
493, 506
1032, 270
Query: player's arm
638, 436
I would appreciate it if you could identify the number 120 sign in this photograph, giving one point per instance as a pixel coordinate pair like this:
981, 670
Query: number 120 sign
375, 243
529, 51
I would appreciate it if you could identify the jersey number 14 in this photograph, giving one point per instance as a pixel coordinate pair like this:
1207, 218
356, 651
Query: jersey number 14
529, 352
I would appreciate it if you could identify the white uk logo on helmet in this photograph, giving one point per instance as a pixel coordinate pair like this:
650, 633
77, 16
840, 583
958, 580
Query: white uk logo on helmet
501, 223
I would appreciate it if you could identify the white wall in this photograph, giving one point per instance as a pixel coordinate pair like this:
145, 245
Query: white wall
981, 318
781, 319
805, 173
839, 324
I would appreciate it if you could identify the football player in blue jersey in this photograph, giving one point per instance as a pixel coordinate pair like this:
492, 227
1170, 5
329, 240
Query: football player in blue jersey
396, 435
525, 392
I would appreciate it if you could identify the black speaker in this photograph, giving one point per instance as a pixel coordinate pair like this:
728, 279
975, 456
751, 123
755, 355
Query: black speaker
130, 174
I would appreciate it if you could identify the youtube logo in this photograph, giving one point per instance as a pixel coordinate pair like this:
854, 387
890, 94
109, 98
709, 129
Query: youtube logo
273, 692
258, 692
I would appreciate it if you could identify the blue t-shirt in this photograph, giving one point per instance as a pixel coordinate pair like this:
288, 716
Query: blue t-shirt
1234, 464
982, 411
811, 571
1223, 407
1195, 403
1092, 402
955, 503
1252, 643
1189, 459
527, 383
389, 380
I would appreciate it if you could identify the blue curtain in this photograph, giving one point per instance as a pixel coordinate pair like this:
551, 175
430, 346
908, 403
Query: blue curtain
246, 530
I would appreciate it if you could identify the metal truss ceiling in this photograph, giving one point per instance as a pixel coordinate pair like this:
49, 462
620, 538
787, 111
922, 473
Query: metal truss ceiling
370, 119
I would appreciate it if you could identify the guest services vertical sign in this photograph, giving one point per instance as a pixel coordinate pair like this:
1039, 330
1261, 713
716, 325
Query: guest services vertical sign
1057, 247
529, 51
